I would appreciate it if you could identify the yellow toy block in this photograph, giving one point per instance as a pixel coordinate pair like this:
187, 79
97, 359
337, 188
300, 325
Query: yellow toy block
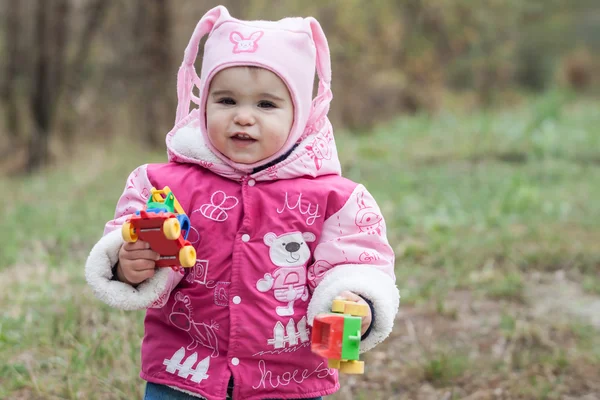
340, 305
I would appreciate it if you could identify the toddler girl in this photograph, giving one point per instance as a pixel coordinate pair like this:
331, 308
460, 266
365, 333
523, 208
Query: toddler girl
278, 232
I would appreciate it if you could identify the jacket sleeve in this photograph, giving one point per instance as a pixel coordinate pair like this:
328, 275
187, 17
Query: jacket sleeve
353, 254
153, 292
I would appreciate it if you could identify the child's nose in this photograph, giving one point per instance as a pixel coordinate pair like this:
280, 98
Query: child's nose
244, 116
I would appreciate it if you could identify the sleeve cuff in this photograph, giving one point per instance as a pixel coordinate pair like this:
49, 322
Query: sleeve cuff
99, 275
368, 282
368, 331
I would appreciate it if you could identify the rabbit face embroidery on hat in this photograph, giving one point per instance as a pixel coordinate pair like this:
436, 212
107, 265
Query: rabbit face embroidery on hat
245, 45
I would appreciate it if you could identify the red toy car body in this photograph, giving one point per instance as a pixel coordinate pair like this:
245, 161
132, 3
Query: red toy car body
165, 230
327, 336
149, 227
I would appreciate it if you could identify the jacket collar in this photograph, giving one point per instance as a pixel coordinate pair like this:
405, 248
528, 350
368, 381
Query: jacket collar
314, 155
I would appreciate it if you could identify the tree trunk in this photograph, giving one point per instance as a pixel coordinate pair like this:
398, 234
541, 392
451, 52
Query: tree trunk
96, 10
40, 99
9, 92
49, 48
156, 85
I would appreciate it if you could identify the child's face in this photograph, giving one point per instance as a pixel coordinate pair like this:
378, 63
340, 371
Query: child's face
249, 113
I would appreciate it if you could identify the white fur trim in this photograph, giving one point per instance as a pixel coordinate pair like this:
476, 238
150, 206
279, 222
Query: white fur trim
368, 282
188, 142
98, 273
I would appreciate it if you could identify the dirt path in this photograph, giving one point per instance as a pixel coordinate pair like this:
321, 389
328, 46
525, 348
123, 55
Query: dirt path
455, 353
556, 296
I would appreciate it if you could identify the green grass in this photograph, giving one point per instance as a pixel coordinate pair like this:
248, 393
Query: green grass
457, 200
475, 204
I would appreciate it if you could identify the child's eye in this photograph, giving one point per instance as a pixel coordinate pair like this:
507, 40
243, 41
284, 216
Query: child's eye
266, 104
226, 100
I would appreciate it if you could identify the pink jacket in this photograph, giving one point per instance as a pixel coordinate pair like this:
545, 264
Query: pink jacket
274, 249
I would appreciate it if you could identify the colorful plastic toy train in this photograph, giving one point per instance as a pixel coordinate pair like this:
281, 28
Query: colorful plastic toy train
336, 336
165, 226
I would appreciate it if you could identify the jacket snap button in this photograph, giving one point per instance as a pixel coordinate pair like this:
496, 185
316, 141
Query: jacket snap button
235, 361
237, 300
245, 237
251, 182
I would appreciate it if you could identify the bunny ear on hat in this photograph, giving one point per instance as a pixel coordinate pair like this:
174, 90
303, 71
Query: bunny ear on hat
187, 76
320, 104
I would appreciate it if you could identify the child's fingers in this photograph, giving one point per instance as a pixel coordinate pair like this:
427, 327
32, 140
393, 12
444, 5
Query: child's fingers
140, 265
351, 296
139, 245
367, 319
138, 276
141, 255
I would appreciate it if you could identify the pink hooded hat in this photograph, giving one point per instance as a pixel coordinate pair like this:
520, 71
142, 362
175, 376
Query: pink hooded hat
291, 48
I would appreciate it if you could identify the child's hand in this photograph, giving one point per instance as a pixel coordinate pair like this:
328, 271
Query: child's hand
366, 320
137, 262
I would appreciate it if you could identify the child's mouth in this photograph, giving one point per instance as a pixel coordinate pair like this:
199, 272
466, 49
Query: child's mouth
242, 139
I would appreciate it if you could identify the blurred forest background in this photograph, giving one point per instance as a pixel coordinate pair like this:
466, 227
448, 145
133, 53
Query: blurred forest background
88, 70
475, 124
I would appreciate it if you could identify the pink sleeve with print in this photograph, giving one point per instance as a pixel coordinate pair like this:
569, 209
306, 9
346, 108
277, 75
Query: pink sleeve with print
356, 235
134, 197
